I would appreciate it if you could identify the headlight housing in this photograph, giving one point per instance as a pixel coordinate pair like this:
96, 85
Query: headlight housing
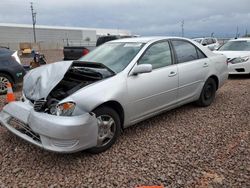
239, 60
65, 109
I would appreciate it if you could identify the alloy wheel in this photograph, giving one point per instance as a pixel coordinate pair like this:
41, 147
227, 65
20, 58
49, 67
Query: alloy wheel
106, 129
3, 84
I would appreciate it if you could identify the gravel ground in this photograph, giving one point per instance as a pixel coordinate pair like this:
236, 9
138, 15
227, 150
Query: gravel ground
186, 147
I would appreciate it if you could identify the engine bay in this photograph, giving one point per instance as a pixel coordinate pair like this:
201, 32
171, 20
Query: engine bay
78, 76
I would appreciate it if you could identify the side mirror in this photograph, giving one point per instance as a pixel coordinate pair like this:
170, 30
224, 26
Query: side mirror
143, 68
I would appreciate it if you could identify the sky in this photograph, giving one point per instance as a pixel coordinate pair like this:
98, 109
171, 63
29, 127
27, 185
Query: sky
142, 17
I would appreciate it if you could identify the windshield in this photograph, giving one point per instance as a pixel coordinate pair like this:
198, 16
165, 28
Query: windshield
115, 56
236, 46
198, 40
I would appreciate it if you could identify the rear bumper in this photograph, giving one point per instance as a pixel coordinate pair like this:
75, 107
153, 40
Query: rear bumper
53, 133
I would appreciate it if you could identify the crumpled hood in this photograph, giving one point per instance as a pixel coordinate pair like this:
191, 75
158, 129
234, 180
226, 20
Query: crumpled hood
39, 82
233, 54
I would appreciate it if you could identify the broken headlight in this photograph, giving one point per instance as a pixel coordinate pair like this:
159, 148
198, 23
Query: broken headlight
65, 109
239, 60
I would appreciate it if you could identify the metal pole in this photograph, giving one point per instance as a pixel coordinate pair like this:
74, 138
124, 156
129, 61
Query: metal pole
237, 32
182, 28
33, 14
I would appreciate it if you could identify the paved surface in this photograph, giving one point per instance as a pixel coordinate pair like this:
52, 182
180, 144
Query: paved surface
186, 147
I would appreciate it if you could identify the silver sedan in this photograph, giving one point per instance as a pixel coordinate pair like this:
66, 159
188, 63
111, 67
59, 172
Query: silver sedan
76, 105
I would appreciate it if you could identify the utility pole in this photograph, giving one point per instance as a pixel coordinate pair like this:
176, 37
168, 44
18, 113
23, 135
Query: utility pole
182, 28
237, 32
33, 14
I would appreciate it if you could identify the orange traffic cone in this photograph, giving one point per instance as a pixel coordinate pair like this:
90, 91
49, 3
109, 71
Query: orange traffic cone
10, 97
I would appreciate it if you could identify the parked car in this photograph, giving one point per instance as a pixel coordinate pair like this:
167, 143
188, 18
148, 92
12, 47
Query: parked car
11, 69
238, 53
76, 52
85, 104
211, 43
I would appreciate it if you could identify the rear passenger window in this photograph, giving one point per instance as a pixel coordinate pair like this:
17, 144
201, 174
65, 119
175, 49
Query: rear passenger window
158, 55
184, 51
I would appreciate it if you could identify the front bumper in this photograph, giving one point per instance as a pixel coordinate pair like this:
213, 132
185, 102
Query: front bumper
239, 68
50, 132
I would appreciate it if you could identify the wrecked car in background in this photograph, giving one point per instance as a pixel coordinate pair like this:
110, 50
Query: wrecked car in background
76, 105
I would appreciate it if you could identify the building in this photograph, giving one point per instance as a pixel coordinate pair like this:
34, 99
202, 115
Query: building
52, 37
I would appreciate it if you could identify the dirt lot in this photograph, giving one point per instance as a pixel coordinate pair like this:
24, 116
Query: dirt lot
186, 147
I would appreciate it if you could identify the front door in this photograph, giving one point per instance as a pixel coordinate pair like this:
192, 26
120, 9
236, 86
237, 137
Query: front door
152, 92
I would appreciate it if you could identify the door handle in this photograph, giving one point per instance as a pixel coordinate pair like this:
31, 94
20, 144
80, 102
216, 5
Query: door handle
172, 73
205, 64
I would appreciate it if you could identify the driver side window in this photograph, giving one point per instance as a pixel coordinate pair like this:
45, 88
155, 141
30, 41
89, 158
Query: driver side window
158, 55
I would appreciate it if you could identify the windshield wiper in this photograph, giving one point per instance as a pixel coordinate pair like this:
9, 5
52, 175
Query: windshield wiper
93, 65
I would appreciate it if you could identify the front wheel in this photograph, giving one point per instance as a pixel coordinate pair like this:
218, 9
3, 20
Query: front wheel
109, 129
208, 93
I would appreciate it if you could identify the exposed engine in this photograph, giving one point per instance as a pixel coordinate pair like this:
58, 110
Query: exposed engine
78, 76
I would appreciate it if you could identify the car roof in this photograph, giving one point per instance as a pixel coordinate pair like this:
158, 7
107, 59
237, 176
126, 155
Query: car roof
145, 39
205, 38
240, 39
4, 50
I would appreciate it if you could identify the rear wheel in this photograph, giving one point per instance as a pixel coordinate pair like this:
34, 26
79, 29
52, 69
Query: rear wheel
109, 129
4, 79
208, 93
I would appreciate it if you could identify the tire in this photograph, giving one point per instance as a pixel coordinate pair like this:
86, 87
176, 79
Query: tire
109, 129
4, 79
207, 94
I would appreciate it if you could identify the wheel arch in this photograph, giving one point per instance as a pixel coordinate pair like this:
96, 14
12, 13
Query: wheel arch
115, 106
8, 74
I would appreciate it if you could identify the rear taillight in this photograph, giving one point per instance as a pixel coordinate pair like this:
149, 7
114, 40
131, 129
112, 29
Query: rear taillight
84, 52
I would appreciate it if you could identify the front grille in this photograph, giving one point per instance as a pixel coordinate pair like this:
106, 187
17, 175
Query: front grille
39, 105
23, 128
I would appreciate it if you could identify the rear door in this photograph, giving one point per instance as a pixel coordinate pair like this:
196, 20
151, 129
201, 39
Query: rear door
193, 67
152, 92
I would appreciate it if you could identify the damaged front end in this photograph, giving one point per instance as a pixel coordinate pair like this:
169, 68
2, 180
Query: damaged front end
77, 76
42, 119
